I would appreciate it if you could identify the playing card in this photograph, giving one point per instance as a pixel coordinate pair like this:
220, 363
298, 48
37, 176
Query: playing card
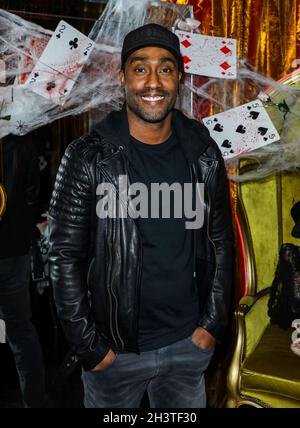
2, 71
6, 99
33, 52
207, 55
60, 64
6, 102
18, 111
242, 129
2, 332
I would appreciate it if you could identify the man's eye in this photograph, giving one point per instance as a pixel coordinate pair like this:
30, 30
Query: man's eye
139, 69
166, 70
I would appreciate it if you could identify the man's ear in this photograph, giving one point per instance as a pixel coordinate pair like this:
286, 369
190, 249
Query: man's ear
122, 78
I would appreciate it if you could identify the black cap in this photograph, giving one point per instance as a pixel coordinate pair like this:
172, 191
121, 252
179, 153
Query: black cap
151, 35
295, 213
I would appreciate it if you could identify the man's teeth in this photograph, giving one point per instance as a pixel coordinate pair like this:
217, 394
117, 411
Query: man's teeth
153, 98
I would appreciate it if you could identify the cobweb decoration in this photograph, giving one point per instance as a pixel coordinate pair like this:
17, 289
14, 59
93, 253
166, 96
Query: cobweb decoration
21, 44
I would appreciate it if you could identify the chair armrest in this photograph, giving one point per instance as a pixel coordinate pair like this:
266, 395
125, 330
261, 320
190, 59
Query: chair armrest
245, 314
256, 321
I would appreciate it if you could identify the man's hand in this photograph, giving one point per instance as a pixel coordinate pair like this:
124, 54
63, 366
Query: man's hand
203, 339
107, 361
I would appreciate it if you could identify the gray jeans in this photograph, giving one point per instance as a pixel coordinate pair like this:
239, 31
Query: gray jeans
173, 376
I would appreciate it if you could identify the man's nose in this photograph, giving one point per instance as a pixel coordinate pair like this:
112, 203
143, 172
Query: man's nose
153, 80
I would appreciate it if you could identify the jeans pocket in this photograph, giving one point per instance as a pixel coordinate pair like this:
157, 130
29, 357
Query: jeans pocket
93, 372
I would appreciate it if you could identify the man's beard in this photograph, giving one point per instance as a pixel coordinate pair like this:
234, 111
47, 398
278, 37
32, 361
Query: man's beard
149, 116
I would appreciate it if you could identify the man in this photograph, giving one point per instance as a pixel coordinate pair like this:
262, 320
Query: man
142, 300
21, 181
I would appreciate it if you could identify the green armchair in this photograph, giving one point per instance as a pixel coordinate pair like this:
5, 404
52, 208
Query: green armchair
264, 372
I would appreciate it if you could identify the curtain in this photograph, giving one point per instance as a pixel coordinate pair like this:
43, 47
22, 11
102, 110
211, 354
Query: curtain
268, 36
268, 31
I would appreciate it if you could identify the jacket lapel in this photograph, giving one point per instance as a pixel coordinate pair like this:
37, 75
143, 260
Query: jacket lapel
192, 135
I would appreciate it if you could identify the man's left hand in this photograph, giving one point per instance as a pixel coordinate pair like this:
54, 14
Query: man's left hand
203, 339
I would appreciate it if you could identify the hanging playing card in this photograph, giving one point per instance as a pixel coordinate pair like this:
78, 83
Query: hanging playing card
207, 55
242, 129
32, 52
17, 109
2, 71
6, 99
56, 71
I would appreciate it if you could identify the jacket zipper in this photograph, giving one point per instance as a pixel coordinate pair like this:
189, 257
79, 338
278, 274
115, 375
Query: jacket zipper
111, 291
109, 287
194, 230
137, 288
89, 270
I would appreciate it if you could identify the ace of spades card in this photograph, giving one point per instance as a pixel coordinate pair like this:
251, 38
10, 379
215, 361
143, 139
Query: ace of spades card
60, 64
208, 55
242, 129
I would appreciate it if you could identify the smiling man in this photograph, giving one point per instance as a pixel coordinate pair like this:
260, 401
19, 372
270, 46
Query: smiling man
143, 299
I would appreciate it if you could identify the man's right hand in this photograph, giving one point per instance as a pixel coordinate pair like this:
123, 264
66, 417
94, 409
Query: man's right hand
107, 361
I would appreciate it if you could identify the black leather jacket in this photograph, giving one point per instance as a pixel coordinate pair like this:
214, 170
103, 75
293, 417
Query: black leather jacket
96, 263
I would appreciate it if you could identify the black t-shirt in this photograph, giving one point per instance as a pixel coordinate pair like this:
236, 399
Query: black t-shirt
168, 299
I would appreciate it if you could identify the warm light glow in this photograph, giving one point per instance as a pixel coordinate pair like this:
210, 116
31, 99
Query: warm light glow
200, 4
178, 1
